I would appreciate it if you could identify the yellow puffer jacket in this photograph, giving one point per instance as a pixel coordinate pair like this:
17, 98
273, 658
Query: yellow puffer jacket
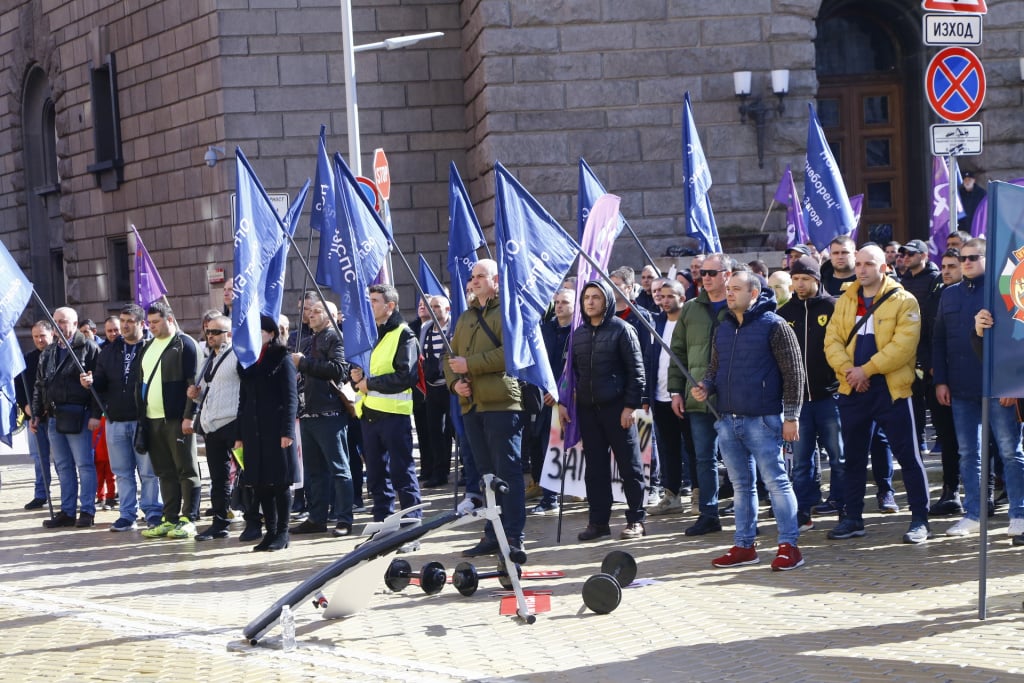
897, 324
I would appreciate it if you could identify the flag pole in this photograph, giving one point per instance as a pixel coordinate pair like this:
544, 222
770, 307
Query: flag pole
766, 215
650, 328
73, 357
983, 506
636, 237
305, 282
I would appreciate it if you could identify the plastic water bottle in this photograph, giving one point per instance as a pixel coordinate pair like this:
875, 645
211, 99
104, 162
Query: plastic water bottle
287, 628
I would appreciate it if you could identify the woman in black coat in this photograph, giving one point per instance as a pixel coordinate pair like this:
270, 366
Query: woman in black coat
267, 404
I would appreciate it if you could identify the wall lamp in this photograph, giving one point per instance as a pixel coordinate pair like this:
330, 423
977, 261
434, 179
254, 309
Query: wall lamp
757, 109
211, 157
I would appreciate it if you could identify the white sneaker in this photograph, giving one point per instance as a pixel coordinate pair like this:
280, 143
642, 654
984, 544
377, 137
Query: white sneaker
1016, 527
965, 527
668, 503
468, 504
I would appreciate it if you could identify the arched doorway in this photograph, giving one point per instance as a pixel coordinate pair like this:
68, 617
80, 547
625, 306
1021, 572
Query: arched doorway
42, 189
869, 66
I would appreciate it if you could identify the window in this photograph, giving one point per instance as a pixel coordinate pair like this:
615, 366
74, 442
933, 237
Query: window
119, 271
106, 125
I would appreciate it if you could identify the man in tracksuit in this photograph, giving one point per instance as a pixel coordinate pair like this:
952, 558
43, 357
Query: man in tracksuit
756, 373
609, 368
808, 313
871, 343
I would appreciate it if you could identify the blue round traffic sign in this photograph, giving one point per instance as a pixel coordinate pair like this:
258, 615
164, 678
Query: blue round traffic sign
955, 84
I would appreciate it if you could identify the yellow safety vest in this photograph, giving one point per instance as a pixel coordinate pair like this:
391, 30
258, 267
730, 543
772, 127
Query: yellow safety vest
382, 362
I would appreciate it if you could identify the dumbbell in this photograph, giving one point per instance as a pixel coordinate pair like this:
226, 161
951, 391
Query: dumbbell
602, 592
432, 576
466, 578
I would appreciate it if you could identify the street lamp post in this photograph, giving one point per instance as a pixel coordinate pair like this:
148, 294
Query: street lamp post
349, 50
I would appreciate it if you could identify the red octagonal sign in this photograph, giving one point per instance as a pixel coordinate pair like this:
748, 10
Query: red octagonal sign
955, 83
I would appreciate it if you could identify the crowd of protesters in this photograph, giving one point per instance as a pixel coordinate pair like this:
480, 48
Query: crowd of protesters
755, 381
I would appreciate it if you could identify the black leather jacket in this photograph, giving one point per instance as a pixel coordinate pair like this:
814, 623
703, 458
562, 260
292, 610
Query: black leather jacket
323, 363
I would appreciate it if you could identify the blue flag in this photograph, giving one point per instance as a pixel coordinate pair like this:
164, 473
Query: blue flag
15, 291
272, 284
355, 256
534, 254
324, 216
826, 203
590, 189
370, 233
1002, 362
464, 238
258, 235
700, 219
428, 280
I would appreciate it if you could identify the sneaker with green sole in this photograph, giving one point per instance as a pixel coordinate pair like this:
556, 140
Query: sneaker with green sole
183, 529
159, 531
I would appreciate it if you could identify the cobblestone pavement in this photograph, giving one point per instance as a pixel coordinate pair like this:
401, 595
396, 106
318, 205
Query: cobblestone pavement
92, 605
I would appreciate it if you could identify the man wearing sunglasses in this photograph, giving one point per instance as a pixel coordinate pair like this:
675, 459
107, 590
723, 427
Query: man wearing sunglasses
958, 384
691, 342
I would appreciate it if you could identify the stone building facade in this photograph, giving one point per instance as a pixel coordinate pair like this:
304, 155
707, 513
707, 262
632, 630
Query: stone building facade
112, 105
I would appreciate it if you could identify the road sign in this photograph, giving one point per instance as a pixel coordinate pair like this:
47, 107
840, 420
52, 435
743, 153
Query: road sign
382, 174
955, 84
369, 189
962, 6
952, 29
279, 200
960, 139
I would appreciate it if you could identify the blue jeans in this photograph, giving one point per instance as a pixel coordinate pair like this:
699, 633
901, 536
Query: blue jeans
76, 469
819, 421
756, 441
1006, 433
390, 468
124, 462
705, 442
325, 467
496, 439
39, 449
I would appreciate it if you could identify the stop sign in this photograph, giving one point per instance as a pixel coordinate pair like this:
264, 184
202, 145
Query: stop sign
381, 174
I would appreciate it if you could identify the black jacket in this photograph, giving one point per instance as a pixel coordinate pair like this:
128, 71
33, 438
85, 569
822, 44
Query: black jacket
57, 377
117, 392
267, 405
323, 363
607, 360
25, 383
808, 319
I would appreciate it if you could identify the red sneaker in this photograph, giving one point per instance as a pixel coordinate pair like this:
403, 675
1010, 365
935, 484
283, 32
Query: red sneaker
736, 557
789, 557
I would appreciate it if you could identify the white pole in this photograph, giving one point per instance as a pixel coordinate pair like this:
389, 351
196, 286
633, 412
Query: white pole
351, 103
952, 201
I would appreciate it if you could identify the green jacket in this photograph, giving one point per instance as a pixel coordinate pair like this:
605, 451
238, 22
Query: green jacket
691, 342
493, 390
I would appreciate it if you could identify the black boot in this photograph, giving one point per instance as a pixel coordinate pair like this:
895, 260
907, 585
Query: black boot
282, 503
266, 502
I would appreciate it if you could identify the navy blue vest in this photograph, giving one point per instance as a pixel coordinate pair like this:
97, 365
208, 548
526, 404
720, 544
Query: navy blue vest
748, 381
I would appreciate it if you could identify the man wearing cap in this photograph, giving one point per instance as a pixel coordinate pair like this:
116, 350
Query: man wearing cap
794, 252
970, 197
920, 278
808, 313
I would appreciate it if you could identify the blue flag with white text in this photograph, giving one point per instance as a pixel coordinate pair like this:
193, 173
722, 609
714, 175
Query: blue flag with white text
324, 215
258, 236
15, 291
464, 238
700, 219
590, 189
273, 277
534, 254
826, 202
370, 233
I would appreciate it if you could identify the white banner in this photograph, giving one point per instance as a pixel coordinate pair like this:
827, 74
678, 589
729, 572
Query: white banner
558, 459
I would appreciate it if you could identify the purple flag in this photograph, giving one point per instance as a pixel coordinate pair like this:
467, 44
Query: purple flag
602, 227
534, 254
796, 228
980, 220
148, 284
939, 227
856, 205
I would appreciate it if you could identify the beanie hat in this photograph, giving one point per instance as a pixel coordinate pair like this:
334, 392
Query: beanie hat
806, 265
